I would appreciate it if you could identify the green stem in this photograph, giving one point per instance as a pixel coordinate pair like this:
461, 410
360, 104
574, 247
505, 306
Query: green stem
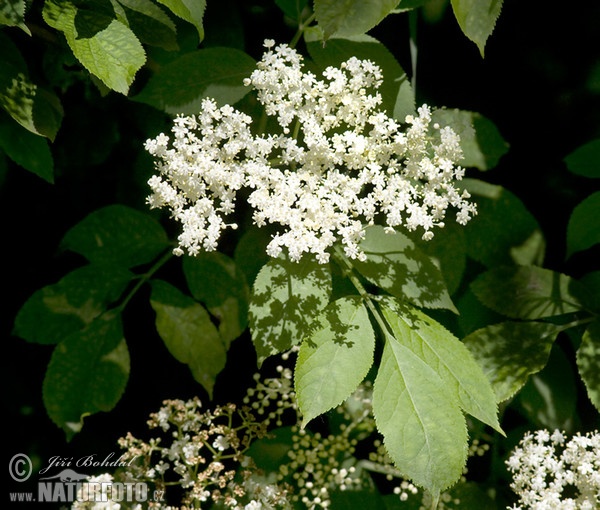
302, 25
412, 26
144, 278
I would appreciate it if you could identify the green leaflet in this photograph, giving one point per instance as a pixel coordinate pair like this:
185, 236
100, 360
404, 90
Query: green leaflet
87, 373
36, 109
585, 160
447, 356
286, 296
583, 229
351, 17
480, 140
292, 8
187, 331
503, 231
588, 361
397, 96
509, 352
477, 19
191, 11
423, 428
26, 149
335, 358
150, 23
56, 311
215, 280
117, 234
109, 51
12, 14
528, 292
181, 85
395, 264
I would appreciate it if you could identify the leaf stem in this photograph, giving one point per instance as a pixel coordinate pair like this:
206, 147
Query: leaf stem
412, 27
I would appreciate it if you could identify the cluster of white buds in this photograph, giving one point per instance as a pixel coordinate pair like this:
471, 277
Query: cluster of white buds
336, 163
550, 472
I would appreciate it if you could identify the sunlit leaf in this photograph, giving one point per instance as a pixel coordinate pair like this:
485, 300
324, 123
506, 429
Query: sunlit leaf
285, 299
191, 11
477, 19
187, 331
588, 361
335, 358
509, 352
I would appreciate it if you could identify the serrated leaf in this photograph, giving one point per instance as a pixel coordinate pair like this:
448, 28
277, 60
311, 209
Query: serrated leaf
191, 11
424, 430
509, 352
585, 160
583, 229
480, 140
588, 361
187, 331
12, 14
87, 373
395, 264
55, 311
351, 17
181, 85
285, 298
503, 231
528, 292
114, 54
27, 150
396, 92
477, 19
447, 356
117, 234
335, 358
151, 24
215, 280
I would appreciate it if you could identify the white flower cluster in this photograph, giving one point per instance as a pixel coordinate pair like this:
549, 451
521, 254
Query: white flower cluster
336, 164
551, 473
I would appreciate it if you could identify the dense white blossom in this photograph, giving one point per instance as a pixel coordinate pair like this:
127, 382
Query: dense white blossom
336, 164
552, 473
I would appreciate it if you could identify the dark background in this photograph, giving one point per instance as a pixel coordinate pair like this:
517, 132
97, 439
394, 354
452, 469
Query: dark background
539, 83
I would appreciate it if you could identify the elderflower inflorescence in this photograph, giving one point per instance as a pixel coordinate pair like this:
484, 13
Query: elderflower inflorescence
551, 473
337, 164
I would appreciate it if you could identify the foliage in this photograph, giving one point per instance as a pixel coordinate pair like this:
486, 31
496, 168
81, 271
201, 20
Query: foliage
453, 333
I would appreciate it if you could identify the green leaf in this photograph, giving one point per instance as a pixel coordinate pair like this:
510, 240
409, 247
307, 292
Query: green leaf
583, 229
191, 337
181, 85
286, 297
335, 358
549, 399
12, 14
503, 231
528, 292
114, 54
26, 149
477, 19
292, 8
191, 11
87, 373
591, 281
395, 264
54, 312
250, 252
36, 109
585, 160
151, 24
397, 96
509, 352
424, 430
117, 234
351, 17
447, 356
588, 361
480, 140
215, 280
